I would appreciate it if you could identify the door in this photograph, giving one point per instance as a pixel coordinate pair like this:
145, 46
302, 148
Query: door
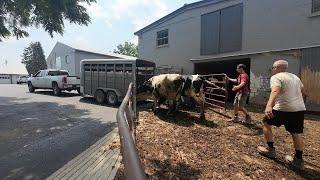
36, 79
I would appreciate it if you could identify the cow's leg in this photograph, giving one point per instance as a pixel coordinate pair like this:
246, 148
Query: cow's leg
171, 107
202, 111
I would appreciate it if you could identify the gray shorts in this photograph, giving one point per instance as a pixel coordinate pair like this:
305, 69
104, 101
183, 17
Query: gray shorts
241, 99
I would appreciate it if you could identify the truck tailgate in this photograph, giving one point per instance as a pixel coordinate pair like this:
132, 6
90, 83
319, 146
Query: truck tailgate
73, 80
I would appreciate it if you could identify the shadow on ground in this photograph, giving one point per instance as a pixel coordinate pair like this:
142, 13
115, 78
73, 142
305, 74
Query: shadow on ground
37, 138
91, 100
62, 95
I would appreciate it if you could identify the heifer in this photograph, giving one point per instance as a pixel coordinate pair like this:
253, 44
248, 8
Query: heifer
194, 89
161, 88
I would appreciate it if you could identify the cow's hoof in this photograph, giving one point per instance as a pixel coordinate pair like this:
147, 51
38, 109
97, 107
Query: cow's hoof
202, 118
155, 110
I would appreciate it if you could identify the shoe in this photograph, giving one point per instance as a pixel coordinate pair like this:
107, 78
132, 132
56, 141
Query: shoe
234, 119
267, 151
295, 162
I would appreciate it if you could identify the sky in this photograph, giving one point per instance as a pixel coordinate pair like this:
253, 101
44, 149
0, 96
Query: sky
112, 22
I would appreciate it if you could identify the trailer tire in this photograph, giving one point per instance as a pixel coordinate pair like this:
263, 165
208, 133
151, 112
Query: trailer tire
100, 96
112, 98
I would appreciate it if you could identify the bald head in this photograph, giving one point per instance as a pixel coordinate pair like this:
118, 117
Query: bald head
283, 64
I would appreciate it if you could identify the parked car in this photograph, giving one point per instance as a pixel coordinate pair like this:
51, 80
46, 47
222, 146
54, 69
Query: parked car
22, 79
57, 80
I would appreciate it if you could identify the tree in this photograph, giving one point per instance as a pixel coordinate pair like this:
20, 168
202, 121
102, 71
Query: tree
128, 49
33, 58
15, 15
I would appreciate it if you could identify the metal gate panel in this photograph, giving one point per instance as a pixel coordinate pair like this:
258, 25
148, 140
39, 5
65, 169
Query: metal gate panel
216, 94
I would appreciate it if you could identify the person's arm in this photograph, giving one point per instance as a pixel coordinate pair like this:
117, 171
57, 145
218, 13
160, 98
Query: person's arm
235, 88
275, 91
231, 80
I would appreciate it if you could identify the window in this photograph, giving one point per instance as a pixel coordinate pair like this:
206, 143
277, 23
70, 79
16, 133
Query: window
102, 68
110, 67
119, 67
128, 68
37, 74
94, 67
162, 38
58, 63
87, 67
315, 6
58, 73
67, 59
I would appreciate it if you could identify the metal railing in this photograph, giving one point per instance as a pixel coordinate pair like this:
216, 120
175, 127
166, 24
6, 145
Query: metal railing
126, 118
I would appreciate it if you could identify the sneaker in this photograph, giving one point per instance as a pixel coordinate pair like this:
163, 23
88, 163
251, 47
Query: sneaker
295, 162
267, 151
234, 119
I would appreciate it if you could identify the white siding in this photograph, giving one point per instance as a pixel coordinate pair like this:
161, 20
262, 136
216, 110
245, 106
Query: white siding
267, 25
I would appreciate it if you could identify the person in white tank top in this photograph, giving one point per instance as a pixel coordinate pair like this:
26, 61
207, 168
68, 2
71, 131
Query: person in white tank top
285, 107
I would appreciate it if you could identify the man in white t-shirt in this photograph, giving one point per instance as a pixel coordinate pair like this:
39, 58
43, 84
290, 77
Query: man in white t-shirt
285, 107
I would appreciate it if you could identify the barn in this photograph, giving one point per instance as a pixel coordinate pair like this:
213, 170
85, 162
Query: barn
213, 36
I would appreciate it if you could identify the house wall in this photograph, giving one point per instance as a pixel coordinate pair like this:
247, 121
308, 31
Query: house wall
267, 26
61, 50
80, 55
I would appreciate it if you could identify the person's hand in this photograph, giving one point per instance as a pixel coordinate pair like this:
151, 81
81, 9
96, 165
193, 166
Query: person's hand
235, 88
268, 112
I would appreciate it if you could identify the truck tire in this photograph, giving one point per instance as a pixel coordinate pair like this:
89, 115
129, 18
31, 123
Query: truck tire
30, 87
100, 96
56, 89
112, 98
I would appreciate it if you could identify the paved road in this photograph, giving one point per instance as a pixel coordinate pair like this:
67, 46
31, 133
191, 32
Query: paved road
39, 132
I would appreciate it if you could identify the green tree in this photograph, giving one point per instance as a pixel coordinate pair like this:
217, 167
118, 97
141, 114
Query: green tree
15, 15
128, 49
33, 58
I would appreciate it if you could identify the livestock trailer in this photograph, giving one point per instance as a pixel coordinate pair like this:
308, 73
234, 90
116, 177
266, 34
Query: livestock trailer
109, 79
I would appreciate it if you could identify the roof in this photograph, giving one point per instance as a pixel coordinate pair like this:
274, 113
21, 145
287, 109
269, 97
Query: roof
94, 51
184, 8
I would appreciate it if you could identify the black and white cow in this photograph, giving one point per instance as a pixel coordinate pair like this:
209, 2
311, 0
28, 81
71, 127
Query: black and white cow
194, 89
161, 88
172, 88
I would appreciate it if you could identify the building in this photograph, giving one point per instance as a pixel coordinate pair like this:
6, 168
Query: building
8, 78
213, 36
68, 57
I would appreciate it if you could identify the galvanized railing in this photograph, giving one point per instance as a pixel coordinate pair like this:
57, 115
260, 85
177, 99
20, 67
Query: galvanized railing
126, 118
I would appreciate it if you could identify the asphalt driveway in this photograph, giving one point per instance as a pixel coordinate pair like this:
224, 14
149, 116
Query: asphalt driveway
40, 132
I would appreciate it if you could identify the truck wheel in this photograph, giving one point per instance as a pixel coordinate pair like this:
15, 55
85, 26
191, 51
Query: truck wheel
30, 87
100, 96
112, 98
56, 89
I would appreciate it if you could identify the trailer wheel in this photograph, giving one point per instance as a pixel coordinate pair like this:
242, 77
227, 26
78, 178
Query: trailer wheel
112, 98
100, 96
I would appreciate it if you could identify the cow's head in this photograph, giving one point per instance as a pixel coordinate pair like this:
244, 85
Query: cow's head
197, 83
144, 91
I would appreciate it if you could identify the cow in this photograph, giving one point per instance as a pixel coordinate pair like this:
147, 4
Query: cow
194, 89
161, 88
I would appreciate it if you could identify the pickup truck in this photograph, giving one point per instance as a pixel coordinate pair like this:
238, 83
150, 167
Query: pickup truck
57, 80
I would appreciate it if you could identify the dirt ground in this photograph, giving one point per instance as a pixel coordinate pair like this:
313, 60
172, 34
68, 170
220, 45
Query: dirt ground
182, 147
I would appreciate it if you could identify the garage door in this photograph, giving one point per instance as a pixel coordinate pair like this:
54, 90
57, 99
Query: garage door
5, 79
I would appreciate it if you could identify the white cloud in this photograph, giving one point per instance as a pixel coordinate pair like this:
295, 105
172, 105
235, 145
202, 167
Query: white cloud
139, 12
